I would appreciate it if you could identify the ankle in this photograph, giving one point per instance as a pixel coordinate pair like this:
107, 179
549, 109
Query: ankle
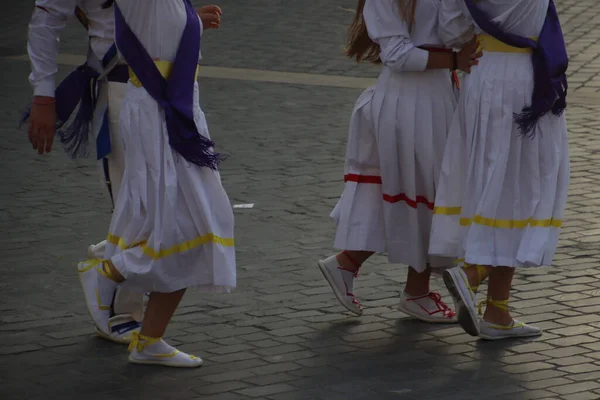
417, 283
502, 318
497, 312
475, 275
347, 262
416, 293
140, 341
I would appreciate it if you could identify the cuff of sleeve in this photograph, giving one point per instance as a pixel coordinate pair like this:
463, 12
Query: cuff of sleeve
44, 88
418, 60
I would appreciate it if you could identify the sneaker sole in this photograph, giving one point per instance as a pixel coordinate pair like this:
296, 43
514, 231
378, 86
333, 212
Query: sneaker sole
464, 316
338, 295
163, 364
425, 319
487, 337
113, 339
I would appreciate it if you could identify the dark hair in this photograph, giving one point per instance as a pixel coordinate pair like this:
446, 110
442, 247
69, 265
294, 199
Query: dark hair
359, 45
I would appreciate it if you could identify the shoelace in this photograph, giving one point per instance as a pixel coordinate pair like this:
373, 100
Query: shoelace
348, 293
139, 342
437, 299
481, 273
443, 307
501, 304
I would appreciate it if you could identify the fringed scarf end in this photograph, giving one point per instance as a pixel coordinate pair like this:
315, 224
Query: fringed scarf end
200, 152
209, 160
527, 121
75, 139
74, 135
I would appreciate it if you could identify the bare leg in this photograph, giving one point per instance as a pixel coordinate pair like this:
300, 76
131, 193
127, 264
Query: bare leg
160, 309
417, 283
498, 291
159, 312
476, 275
352, 260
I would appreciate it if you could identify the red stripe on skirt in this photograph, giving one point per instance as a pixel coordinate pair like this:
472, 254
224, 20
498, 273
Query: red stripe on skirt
362, 178
374, 179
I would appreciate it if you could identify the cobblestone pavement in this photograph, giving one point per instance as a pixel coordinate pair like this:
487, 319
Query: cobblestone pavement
282, 335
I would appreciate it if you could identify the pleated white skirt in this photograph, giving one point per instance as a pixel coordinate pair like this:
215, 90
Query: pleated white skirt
395, 145
501, 197
172, 226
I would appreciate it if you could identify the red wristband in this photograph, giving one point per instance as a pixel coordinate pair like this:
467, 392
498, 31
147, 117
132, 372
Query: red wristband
43, 102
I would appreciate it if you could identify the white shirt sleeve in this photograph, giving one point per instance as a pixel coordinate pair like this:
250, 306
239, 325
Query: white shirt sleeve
47, 22
387, 28
456, 27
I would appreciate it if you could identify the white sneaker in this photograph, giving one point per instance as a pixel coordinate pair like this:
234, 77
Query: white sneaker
158, 352
98, 292
464, 299
428, 308
96, 251
121, 328
342, 283
517, 329
125, 302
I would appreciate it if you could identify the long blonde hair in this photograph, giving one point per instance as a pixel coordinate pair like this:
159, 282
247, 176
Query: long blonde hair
359, 45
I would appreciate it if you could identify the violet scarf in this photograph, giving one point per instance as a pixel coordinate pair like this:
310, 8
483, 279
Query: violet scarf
175, 94
550, 62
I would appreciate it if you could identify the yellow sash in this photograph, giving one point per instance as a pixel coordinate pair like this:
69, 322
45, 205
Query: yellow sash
164, 67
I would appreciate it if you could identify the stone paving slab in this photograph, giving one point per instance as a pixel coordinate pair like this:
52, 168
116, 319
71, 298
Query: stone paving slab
282, 335
296, 36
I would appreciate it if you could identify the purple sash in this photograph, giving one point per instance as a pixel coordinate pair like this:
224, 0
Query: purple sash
176, 94
550, 62
75, 102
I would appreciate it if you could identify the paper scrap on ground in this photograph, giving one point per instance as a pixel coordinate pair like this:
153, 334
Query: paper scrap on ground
250, 205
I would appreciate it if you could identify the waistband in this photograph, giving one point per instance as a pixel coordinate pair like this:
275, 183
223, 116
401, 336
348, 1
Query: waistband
491, 44
164, 67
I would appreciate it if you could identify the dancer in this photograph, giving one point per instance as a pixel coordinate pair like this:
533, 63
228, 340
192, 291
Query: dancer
172, 227
396, 140
98, 112
57, 104
505, 173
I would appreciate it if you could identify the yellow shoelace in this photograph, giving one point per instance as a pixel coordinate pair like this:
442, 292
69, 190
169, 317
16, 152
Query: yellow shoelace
501, 304
139, 342
481, 273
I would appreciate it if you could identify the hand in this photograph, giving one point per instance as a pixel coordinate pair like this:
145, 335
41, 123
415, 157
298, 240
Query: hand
210, 16
42, 123
469, 55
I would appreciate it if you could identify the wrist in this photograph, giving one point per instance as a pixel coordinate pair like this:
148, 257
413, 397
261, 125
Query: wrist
43, 100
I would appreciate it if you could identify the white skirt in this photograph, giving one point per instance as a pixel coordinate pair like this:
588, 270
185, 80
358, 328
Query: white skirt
111, 95
172, 226
395, 145
501, 197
